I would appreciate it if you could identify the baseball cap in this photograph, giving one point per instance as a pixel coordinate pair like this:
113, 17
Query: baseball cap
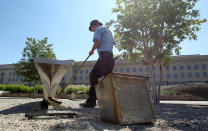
94, 22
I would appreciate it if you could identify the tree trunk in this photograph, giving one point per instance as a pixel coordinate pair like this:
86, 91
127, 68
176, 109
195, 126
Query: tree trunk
35, 91
153, 81
159, 83
149, 59
160, 61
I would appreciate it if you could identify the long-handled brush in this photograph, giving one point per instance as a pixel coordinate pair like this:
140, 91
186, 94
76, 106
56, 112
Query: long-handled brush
73, 76
54, 102
57, 103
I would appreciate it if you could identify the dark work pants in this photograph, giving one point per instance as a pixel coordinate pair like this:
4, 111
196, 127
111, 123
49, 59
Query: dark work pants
103, 66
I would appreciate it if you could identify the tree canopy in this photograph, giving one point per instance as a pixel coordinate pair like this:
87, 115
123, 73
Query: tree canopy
154, 29
26, 66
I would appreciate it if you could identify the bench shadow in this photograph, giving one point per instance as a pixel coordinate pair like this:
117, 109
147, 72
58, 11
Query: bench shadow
24, 108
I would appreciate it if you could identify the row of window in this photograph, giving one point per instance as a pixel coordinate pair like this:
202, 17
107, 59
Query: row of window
83, 71
121, 70
168, 75
15, 79
81, 78
12, 73
189, 75
141, 69
188, 67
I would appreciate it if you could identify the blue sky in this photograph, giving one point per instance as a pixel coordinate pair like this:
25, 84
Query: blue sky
65, 23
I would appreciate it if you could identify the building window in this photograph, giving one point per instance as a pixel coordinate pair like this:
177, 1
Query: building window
204, 66
188, 67
182, 75
86, 71
196, 67
181, 67
80, 78
75, 78
147, 69
148, 75
81, 71
140, 69
174, 68
86, 77
9, 80
121, 70
17, 79
205, 74
154, 68
175, 75
167, 68
10, 73
197, 75
133, 69
115, 70
13, 79
127, 69
190, 75
14, 73
168, 75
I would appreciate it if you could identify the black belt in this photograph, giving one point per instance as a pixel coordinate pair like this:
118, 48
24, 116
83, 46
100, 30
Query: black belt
105, 52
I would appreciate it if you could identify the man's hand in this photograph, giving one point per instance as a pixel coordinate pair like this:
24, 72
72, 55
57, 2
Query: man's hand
91, 52
95, 46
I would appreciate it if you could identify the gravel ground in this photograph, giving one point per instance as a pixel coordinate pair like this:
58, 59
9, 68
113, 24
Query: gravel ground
169, 117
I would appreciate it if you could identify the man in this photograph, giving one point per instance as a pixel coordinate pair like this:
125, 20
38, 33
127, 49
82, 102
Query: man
103, 42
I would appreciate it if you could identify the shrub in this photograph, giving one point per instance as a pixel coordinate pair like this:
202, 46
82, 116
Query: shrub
40, 88
76, 88
20, 88
58, 90
16, 88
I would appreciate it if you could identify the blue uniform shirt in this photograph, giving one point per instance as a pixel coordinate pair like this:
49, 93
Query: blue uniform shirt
105, 37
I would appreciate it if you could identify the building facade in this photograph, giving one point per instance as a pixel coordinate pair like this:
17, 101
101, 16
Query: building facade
184, 69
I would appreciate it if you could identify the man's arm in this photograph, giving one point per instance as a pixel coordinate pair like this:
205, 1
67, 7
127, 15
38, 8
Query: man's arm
95, 46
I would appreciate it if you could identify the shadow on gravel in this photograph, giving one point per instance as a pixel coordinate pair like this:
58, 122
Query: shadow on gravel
89, 119
183, 117
14, 97
174, 116
23, 108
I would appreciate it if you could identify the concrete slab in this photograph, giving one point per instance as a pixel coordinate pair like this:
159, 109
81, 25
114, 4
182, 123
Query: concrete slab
186, 102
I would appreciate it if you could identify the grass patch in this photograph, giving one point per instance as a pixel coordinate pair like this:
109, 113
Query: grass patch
170, 92
199, 90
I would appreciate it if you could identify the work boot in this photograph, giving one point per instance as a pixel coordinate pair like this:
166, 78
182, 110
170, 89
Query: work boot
88, 104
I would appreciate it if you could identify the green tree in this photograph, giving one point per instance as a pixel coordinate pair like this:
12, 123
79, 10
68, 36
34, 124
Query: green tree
153, 30
26, 66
